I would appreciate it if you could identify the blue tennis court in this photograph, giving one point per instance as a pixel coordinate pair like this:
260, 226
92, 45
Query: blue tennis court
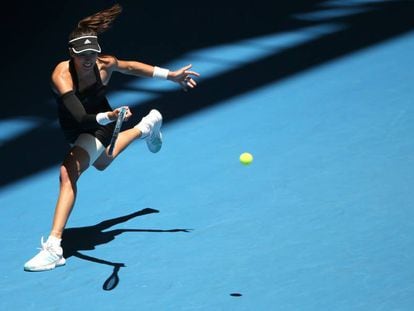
322, 219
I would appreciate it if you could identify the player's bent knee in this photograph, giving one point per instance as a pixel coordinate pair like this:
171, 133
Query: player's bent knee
75, 163
100, 167
102, 162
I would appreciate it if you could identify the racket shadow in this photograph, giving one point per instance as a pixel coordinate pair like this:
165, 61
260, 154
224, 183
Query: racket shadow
87, 238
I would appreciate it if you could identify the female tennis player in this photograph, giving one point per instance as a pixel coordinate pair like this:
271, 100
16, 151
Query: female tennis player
87, 119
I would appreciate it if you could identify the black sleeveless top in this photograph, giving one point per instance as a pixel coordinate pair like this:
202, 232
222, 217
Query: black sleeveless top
94, 101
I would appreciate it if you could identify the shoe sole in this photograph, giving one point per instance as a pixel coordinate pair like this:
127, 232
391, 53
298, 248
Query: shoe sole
156, 129
51, 266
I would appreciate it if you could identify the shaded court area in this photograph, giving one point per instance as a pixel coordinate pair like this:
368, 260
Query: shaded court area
321, 219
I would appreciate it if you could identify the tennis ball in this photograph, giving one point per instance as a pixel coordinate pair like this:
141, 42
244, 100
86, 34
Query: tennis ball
246, 158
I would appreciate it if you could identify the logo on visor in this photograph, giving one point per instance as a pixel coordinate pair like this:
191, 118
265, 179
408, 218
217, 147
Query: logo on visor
87, 41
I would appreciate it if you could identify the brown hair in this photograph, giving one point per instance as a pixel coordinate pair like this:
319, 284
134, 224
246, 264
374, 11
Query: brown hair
96, 23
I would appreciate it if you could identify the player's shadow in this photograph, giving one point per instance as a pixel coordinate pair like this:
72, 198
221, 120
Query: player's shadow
87, 238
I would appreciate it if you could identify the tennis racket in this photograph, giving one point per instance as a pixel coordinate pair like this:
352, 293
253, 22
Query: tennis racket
117, 129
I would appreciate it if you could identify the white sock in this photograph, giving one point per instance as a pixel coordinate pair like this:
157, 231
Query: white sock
54, 240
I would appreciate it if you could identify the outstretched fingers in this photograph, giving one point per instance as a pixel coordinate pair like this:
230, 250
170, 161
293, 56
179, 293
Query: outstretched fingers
184, 77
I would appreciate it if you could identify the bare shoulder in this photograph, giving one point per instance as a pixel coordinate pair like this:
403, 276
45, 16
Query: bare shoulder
61, 78
61, 71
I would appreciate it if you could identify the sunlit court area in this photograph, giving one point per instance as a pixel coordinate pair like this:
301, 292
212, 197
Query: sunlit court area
320, 217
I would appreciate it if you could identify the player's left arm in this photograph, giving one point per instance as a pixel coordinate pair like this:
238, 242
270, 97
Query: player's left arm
133, 68
183, 76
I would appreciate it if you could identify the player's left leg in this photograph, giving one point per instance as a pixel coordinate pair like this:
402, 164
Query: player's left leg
51, 253
149, 128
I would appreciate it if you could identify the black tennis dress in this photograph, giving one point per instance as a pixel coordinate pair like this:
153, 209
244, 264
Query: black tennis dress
94, 101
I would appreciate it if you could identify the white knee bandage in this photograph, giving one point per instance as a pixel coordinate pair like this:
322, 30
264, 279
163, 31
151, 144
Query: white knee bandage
91, 145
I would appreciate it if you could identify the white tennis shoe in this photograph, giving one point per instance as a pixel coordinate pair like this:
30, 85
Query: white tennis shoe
150, 127
48, 258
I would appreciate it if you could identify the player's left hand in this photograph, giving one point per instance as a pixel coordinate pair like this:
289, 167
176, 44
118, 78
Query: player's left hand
184, 77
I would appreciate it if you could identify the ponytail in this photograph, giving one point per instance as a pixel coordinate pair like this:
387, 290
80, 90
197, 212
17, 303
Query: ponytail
96, 23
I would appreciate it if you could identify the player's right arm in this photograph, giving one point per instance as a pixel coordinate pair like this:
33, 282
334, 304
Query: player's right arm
62, 85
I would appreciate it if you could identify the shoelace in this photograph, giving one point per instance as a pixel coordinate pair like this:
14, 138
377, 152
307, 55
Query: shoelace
46, 247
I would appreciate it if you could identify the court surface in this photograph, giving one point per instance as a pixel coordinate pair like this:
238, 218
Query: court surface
321, 220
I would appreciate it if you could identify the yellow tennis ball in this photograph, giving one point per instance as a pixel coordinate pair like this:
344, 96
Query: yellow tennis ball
246, 158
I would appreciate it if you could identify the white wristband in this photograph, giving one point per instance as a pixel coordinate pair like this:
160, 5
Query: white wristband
160, 73
102, 118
